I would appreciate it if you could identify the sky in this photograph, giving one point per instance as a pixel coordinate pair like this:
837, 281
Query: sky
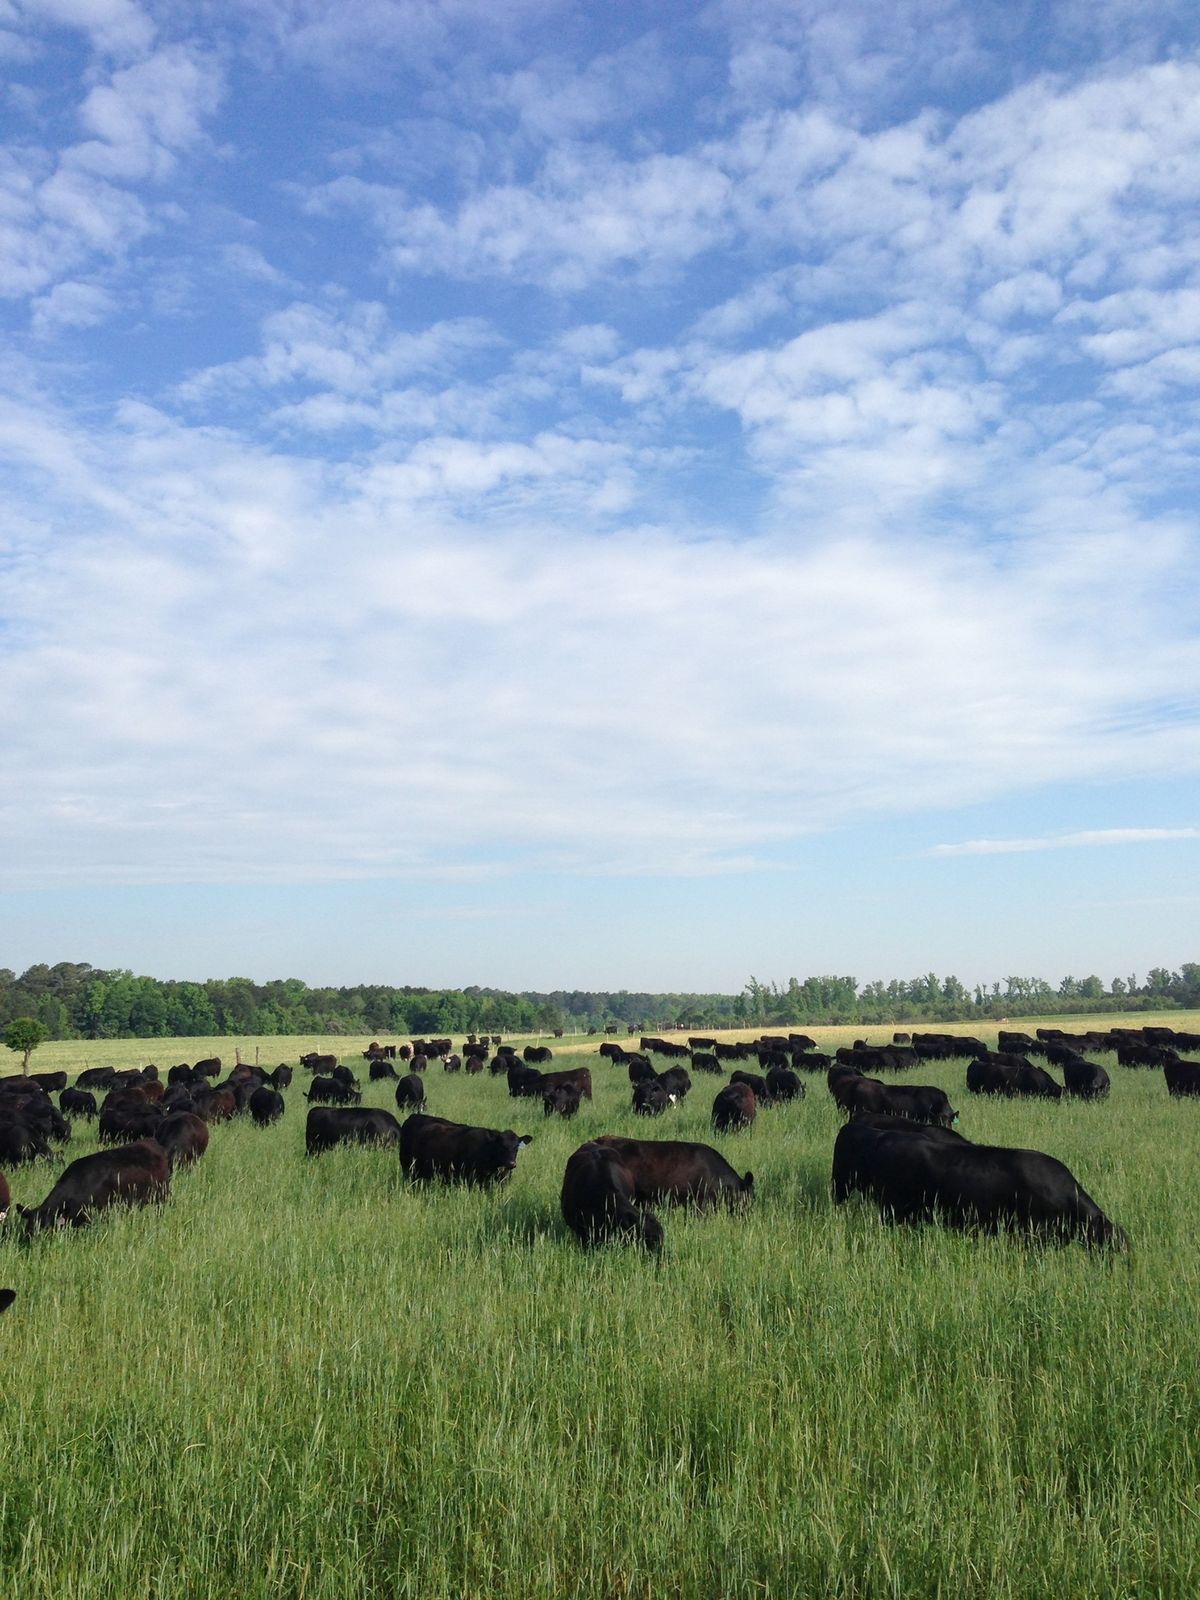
579, 495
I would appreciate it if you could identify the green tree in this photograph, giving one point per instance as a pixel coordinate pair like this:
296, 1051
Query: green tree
24, 1034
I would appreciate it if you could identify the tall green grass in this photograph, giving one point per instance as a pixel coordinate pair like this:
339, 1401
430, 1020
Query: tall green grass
304, 1377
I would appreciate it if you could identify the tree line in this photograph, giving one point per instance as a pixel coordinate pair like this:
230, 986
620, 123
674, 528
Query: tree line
73, 1000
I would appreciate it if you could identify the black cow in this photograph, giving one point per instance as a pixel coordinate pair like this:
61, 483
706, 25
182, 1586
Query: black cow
735, 1107
282, 1076
410, 1092
20, 1143
676, 1081
1182, 1077
599, 1200
560, 1099
650, 1098
330, 1125
523, 1082
916, 1173
184, 1136
121, 1123
986, 1077
266, 1106
7, 1296
1087, 1080
537, 1053
329, 1091
432, 1147
783, 1085
706, 1062
380, 1068
913, 1102
133, 1174
671, 1169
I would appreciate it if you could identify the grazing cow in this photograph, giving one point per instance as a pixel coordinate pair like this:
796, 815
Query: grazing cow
560, 1099
452, 1063
217, 1106
912, 1102
266, 1106
916, 1173
332, 1092
432, 1147
707, 1062
133, 1174
1143, 1055
523, 1082
281, 1078
735, 1107
801, 1041
696, 1043
418, 1063
123, 1123
405, 1052
20, 1143
676, 1081
210, 1067
96, 1078
754, 1081
599, 1200
639, 1069
783, 1085
1087, 1080
537, 1053
381, 1068
811, 1061
474, 1062
580, 1077
410, 1092
650, 1098
671, 1169
988, 1077
1182, 1077
184, 1136
330, 1125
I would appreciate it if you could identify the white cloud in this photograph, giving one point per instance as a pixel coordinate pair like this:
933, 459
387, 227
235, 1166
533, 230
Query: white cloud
1065, 841
71, 305
337, 673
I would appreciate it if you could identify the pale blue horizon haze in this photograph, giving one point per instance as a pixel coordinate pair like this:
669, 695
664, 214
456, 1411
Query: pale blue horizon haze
563, 495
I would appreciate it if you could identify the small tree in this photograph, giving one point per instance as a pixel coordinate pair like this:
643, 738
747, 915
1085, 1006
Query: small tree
24, 1034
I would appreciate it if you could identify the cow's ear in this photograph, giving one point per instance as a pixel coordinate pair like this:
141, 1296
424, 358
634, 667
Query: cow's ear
524, 1138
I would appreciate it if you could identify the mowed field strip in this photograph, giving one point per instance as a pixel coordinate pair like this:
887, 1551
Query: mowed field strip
303, 1376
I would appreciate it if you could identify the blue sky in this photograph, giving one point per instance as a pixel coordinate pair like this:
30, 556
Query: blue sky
600, 495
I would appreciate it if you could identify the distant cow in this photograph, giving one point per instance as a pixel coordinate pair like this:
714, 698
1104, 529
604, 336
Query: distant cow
432, 1147
380, 1067
535, 1054
671, 1169
706, 1062
523, 1082
330, 1125
735, 1107
599, 1200
783, 1085
410, 1092
133, 1174
916, 1173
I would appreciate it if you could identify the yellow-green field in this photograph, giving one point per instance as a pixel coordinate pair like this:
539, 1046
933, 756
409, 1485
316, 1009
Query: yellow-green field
305, 1377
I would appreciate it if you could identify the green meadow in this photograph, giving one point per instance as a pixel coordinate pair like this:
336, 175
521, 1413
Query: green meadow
303, 1377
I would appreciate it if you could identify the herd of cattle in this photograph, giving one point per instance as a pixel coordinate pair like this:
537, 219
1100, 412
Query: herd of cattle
898, 1146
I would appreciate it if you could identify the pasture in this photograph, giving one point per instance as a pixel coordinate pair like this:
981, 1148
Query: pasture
304, 1377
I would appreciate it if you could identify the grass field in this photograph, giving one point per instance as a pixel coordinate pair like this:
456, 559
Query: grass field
304, 1378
